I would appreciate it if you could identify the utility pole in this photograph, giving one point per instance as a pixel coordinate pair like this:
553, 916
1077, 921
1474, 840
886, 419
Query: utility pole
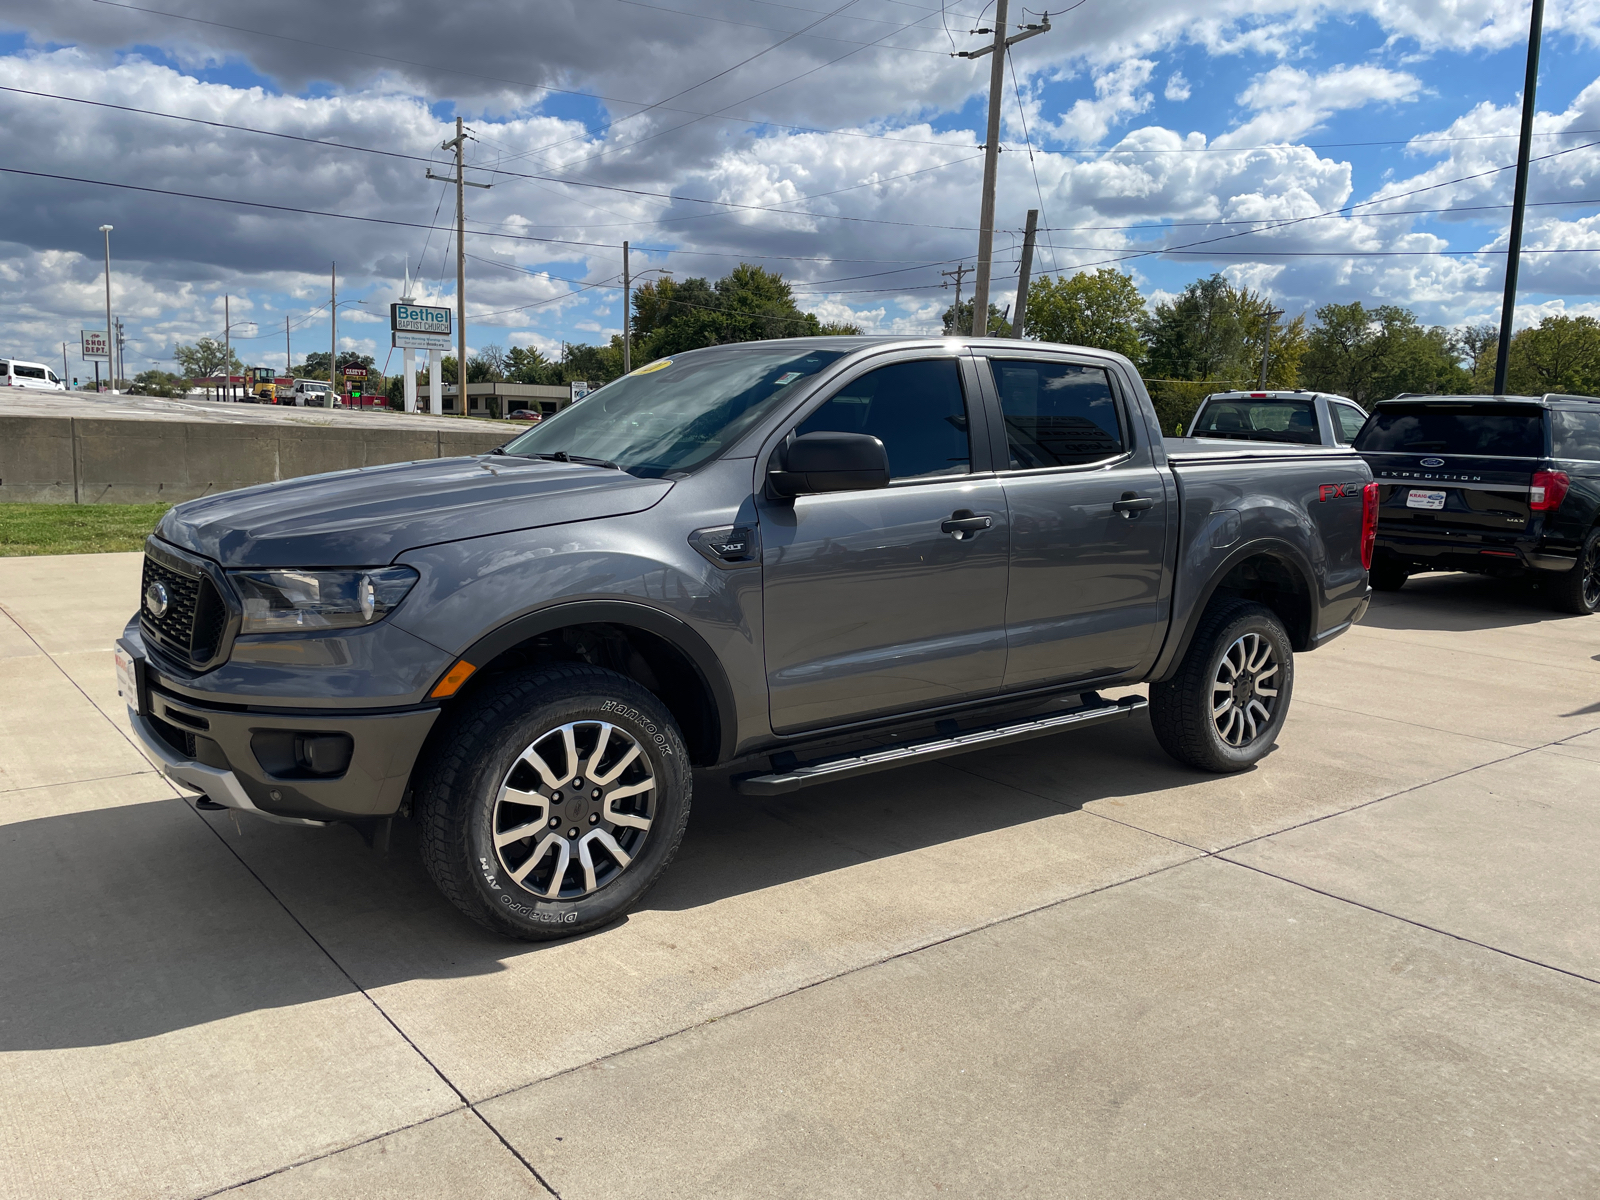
627, 336
333, 318
119, 350
288, 354
1271, 315
65, 378
1024, 270
106, 229
960, 273
1519, 201
227, 347
459, 144
991, 155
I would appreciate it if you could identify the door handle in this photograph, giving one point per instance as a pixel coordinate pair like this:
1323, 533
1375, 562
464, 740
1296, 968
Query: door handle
1132, 503
965, 523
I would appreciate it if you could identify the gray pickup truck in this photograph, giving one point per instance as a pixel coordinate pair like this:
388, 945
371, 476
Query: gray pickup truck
793, 561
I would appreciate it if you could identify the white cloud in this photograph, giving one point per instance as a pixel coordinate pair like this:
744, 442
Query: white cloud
1290, 102
1177, 89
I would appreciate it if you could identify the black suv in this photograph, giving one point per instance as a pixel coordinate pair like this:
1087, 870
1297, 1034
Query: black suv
1501, 485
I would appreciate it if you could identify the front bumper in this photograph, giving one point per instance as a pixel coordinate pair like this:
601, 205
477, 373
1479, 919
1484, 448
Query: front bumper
252, 760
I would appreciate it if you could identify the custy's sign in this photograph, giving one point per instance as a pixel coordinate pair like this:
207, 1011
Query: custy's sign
419, 318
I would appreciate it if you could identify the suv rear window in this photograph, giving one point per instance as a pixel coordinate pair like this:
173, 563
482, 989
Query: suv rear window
1259, 420
1489, 430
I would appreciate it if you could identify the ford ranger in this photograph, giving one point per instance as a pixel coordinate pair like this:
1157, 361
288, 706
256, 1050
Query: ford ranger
793, 561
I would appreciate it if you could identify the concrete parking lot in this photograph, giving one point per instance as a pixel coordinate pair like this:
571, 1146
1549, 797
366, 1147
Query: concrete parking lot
1368, 968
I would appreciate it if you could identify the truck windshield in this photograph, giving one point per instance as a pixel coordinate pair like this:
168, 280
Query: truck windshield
676, 413
1259, 420
1494, 430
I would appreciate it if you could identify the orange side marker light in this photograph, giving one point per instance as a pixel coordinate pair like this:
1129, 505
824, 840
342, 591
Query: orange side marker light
452, 681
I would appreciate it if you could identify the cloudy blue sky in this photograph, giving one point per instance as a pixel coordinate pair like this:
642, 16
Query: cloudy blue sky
837, 143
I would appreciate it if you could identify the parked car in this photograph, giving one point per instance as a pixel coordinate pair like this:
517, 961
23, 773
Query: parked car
796, 561
311, 393
18, 374
1307, 418
1505, 486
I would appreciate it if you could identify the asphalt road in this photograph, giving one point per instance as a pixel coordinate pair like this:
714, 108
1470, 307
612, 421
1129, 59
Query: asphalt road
19, 402
1368, 968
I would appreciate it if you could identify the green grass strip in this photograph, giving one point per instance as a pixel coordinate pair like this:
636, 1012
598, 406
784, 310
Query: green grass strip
75, 528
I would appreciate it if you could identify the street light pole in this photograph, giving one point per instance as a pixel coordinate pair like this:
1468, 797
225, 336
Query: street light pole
333, 323
106, 229
627, 356
1519, 200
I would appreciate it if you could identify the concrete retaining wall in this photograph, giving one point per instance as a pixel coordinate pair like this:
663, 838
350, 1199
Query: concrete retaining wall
83, 460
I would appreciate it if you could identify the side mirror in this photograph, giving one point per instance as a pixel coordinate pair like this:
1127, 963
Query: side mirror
831, 462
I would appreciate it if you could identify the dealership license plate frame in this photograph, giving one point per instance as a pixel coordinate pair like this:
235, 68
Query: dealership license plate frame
1427, 499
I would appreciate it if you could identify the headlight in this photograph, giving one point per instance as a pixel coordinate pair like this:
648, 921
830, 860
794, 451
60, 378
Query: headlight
280, 601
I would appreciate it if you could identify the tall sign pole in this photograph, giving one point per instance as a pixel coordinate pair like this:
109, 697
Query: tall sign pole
333, 337
227, 347
1519, 201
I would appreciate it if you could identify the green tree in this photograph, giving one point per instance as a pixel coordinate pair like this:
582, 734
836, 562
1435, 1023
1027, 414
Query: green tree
1103, 310
204, 358
748, 304
1211, 337
524, 364
1373, 354
1477, 345
1561, 354
961, 323
158, 383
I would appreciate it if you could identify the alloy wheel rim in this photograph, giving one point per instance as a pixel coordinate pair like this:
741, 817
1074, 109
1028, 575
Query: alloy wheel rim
1244, 691
574, 809
1591, 576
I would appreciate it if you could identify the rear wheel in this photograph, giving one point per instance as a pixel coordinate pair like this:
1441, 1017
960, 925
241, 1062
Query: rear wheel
1578, 590
1223, 709
554, 801
1387, 577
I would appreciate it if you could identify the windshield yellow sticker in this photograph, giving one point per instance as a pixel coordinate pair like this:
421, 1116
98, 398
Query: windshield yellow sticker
660, 364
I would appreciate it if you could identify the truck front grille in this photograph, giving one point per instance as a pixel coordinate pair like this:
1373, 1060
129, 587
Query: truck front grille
195, 617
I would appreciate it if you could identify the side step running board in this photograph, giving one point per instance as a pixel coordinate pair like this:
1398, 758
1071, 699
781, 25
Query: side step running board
976, 739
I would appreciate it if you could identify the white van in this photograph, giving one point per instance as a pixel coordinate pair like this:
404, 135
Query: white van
29, 375
311, 393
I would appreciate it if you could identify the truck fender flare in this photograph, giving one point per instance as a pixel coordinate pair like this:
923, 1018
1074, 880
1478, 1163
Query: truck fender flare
1172, 654
631, 615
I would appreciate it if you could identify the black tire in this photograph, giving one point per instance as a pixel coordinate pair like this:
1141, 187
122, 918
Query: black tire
1181, 708
482, 768
1387, 577
1578, 590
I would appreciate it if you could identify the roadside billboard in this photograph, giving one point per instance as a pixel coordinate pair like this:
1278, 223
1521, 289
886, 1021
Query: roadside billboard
419, 318
95, 343
580, 389
406, 340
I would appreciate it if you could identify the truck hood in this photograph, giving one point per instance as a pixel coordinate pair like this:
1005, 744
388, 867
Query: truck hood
367, 517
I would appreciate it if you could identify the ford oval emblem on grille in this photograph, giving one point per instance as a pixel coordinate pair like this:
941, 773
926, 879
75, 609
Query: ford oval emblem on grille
156, 599
1432, 462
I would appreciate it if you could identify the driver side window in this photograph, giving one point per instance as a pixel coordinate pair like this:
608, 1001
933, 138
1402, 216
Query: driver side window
916, 409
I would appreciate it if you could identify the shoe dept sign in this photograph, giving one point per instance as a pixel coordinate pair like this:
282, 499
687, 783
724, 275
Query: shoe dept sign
419, 326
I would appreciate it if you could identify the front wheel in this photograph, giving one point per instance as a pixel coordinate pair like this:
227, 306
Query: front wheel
1578, 590
554, 801
1223, 709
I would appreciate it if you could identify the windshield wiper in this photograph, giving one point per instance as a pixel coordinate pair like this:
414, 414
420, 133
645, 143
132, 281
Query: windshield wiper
563, 456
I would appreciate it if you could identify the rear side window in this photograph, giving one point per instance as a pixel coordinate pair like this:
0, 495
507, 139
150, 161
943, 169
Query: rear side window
29, 372
1259, 420
1057, 414
1347, 421
5, 368
916, 409
1576, 434
1496, 431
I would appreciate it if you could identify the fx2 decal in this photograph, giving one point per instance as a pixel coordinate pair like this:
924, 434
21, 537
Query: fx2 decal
1336, 491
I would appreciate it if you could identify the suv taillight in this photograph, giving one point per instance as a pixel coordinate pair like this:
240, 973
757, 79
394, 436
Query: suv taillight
1369, 523
1549, 490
